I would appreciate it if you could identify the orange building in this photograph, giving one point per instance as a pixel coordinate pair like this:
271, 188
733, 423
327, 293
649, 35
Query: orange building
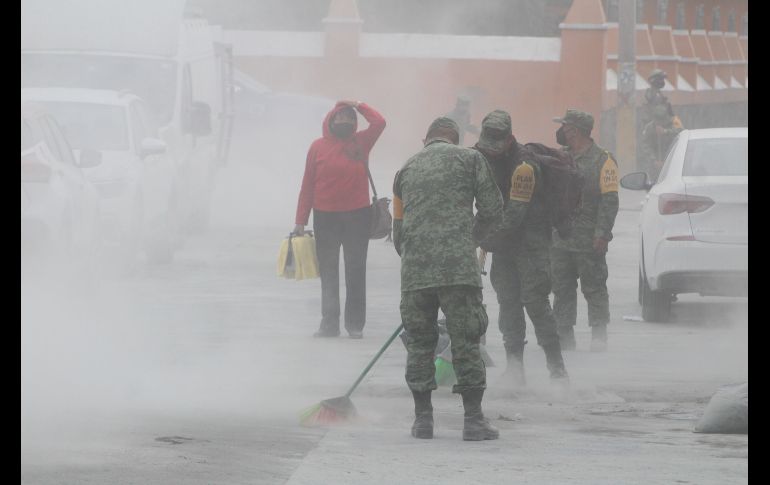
412, 78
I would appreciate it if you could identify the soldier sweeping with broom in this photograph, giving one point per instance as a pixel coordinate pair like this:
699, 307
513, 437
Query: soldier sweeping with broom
433, 201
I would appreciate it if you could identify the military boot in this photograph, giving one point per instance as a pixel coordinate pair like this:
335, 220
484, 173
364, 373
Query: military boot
476, 427
423, 415
514, 372
567, 337
555, 363
599, 338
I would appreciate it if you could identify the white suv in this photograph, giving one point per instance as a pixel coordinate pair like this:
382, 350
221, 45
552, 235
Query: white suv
136, 179
695, 220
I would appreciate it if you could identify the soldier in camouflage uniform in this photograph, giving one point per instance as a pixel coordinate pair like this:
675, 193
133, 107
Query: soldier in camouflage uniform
582, 255
652, 95
657, 137
433, 197
461, 115
521, 265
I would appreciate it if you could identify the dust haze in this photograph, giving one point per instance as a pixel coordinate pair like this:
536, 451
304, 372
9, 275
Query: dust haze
217, 333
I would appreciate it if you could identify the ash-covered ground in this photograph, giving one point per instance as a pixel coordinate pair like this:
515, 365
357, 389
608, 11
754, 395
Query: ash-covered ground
196, 372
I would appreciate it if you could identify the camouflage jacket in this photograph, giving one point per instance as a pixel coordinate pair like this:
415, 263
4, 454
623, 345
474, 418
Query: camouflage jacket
599, 205
433, 197
653, 96
655, 147
525, 213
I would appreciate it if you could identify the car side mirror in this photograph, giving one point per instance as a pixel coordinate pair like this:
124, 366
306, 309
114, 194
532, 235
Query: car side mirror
200, 119
89, 158
152, 146
636, 181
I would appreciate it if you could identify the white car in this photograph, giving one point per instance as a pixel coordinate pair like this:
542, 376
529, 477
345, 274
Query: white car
59, 206
695, 220
136, 179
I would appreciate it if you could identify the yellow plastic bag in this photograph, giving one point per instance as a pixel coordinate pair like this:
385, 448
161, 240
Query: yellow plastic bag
297, 258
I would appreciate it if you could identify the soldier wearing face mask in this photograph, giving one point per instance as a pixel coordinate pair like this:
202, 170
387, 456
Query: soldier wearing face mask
582, 255
520, 273
652, 95
336, 187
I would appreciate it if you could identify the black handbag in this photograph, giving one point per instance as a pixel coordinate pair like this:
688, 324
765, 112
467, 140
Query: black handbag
382, 221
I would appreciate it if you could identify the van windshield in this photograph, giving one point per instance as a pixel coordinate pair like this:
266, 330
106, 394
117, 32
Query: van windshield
154, 80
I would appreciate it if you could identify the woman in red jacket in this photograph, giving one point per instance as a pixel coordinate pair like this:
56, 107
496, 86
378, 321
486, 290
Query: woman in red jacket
336, 187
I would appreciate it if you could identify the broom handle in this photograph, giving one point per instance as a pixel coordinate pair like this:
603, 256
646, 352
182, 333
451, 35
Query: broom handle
368, 367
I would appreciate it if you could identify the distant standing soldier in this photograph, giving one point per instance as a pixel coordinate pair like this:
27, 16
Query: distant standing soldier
521, 265
653, 97
461, 115
433, 196
583, 254
657, 137
657, 81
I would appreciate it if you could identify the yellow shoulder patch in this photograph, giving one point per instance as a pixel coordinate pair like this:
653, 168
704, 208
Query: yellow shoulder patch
398, 208
608, 177
523, 183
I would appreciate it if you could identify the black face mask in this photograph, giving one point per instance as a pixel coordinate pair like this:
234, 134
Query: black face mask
343, 130
561, 138
658, 83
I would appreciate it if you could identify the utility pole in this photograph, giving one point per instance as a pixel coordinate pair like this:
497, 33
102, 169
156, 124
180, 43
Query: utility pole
625, 129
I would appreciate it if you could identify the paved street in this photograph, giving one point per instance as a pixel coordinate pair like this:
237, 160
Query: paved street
195, 372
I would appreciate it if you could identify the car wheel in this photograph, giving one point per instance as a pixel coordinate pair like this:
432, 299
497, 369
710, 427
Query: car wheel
198, 221
656, 305
175, 225
160, 252
132, 240
95, 249
68, 247
160, 249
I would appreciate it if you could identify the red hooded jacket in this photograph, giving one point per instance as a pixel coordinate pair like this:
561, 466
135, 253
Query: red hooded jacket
335, 177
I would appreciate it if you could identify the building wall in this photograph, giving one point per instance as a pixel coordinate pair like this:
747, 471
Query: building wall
410, 93
412, 90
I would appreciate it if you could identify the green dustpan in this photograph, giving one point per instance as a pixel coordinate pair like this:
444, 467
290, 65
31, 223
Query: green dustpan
445, 371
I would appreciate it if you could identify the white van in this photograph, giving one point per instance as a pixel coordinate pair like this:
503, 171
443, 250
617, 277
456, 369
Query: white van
156, 50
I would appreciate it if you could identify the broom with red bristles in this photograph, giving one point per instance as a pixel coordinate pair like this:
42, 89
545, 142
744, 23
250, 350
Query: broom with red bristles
339, 409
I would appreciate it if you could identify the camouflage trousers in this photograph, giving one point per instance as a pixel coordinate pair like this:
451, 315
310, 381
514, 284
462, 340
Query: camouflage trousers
648, 164
466, 321
591, 268
521, 280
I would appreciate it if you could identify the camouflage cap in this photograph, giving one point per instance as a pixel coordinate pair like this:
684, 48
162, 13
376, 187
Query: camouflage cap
495, 131
657, 73
581, 119
442, 122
